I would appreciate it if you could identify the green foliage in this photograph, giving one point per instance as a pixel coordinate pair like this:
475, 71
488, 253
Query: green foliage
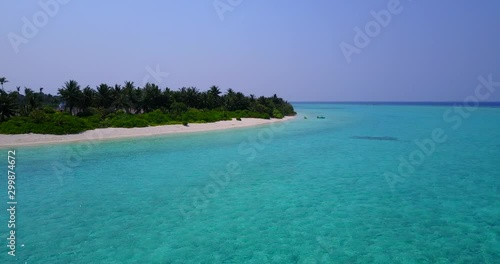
277, 114
40, 123
157, 117
48, 110
8, 106
38, 116
194, 115
89, 112
64, 124
71, 94
128, 121
128, 106
178, 108
59, 123
16, 125
246, 113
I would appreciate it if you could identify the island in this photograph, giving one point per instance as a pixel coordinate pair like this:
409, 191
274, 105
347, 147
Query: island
75, 110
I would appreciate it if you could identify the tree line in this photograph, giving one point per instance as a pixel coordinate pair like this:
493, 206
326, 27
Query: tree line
110, 105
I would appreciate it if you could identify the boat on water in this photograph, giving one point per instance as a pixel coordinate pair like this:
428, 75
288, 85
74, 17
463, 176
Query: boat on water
320, 117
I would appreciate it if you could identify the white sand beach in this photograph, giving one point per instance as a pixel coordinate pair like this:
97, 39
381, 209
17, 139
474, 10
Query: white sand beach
117, 133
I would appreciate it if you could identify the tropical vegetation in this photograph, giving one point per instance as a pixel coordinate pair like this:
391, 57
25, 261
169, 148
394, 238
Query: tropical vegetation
76, 109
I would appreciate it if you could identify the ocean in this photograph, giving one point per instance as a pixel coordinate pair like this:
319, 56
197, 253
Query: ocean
370, 183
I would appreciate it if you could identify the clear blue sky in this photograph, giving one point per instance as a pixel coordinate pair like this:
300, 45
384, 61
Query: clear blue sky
430, 51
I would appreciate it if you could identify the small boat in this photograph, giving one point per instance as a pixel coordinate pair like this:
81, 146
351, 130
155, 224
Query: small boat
320, 117
305, 117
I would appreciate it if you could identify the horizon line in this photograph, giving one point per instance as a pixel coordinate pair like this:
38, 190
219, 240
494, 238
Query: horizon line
489, 102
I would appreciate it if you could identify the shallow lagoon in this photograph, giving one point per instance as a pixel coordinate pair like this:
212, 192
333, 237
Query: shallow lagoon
310, 191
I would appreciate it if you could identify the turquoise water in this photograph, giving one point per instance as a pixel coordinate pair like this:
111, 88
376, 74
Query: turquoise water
308, 191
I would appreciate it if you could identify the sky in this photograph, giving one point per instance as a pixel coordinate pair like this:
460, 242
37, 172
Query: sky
427, 50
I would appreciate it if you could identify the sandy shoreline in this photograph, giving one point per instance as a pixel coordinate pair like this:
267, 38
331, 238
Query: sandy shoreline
118, 133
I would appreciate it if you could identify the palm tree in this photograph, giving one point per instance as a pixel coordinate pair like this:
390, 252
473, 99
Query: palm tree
3, 80
104, 96
87, 99
167, 98
28, 96
41, 96
71, 94
229, 100
8, 105
32, 100
180, 95
119, 100
214, 91
192, 97
152, 97
214, 97
138, 100
18, 88
241, 102
204, 100
128, 94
